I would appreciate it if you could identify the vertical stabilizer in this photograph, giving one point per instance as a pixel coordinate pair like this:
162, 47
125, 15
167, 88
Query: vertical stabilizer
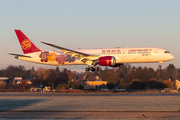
26, 44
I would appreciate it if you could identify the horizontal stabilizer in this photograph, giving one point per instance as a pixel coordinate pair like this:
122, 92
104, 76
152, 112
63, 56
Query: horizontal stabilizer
17, 55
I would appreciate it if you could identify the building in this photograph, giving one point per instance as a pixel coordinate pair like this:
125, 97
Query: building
18, 80
176, 84
4, 78
3, 81
93, 83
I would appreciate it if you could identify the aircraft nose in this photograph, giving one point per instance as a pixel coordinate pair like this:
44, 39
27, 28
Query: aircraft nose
171, 57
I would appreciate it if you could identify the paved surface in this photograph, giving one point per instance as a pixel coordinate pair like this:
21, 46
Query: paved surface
89, 115
80, 94
84, 106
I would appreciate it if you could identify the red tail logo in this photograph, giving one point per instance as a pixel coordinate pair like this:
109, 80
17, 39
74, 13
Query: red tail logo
26, 44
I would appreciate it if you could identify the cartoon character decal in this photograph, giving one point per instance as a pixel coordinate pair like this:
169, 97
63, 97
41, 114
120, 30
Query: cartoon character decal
44, 56
61, 59
70, 59
52, 56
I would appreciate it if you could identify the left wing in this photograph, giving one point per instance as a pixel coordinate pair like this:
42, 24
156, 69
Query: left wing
74, 53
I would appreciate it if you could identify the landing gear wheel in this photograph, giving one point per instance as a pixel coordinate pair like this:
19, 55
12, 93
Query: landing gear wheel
92, 69
159, 66
94, 63
87, 69
96, 68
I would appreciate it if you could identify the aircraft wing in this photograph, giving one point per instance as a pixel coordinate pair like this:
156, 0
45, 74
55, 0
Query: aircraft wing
73, 53
17, 55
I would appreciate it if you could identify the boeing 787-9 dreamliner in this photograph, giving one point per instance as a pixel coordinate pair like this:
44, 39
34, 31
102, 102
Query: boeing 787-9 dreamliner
93, 58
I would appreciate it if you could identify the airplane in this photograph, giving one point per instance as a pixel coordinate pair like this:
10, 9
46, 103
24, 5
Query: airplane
112, 57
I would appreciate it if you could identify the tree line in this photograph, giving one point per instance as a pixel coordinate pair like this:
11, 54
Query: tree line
125, 76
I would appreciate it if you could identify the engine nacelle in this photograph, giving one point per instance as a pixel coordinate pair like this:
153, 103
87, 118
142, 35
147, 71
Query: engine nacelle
107, 61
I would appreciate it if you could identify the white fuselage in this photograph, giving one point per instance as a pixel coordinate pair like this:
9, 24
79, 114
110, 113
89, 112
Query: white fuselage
122, 55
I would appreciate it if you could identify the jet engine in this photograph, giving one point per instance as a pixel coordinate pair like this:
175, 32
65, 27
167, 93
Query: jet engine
107, 61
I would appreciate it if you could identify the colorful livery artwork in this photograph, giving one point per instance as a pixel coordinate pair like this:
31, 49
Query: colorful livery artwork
112, 57
53, 57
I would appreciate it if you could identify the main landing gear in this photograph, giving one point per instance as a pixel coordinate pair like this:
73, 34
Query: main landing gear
95, 68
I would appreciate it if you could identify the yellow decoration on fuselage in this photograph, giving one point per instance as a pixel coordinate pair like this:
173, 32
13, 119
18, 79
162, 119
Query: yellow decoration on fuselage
52, 56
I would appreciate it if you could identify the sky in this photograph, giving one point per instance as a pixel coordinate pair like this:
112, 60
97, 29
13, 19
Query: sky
92, 24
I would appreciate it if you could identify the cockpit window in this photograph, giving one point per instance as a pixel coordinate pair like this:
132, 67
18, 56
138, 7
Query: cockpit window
166, 52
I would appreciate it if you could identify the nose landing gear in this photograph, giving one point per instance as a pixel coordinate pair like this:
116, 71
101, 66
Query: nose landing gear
160, 66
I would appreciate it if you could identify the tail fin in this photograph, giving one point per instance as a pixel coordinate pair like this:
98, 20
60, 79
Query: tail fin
26, 44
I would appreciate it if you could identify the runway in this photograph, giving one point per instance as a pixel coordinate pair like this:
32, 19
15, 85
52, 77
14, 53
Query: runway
88, 106
88, 115
80, 94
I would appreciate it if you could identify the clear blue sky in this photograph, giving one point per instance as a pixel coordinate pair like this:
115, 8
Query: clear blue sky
90, 24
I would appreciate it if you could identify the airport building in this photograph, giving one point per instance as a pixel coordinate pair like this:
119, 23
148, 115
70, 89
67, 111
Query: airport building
4, 81
16, 80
